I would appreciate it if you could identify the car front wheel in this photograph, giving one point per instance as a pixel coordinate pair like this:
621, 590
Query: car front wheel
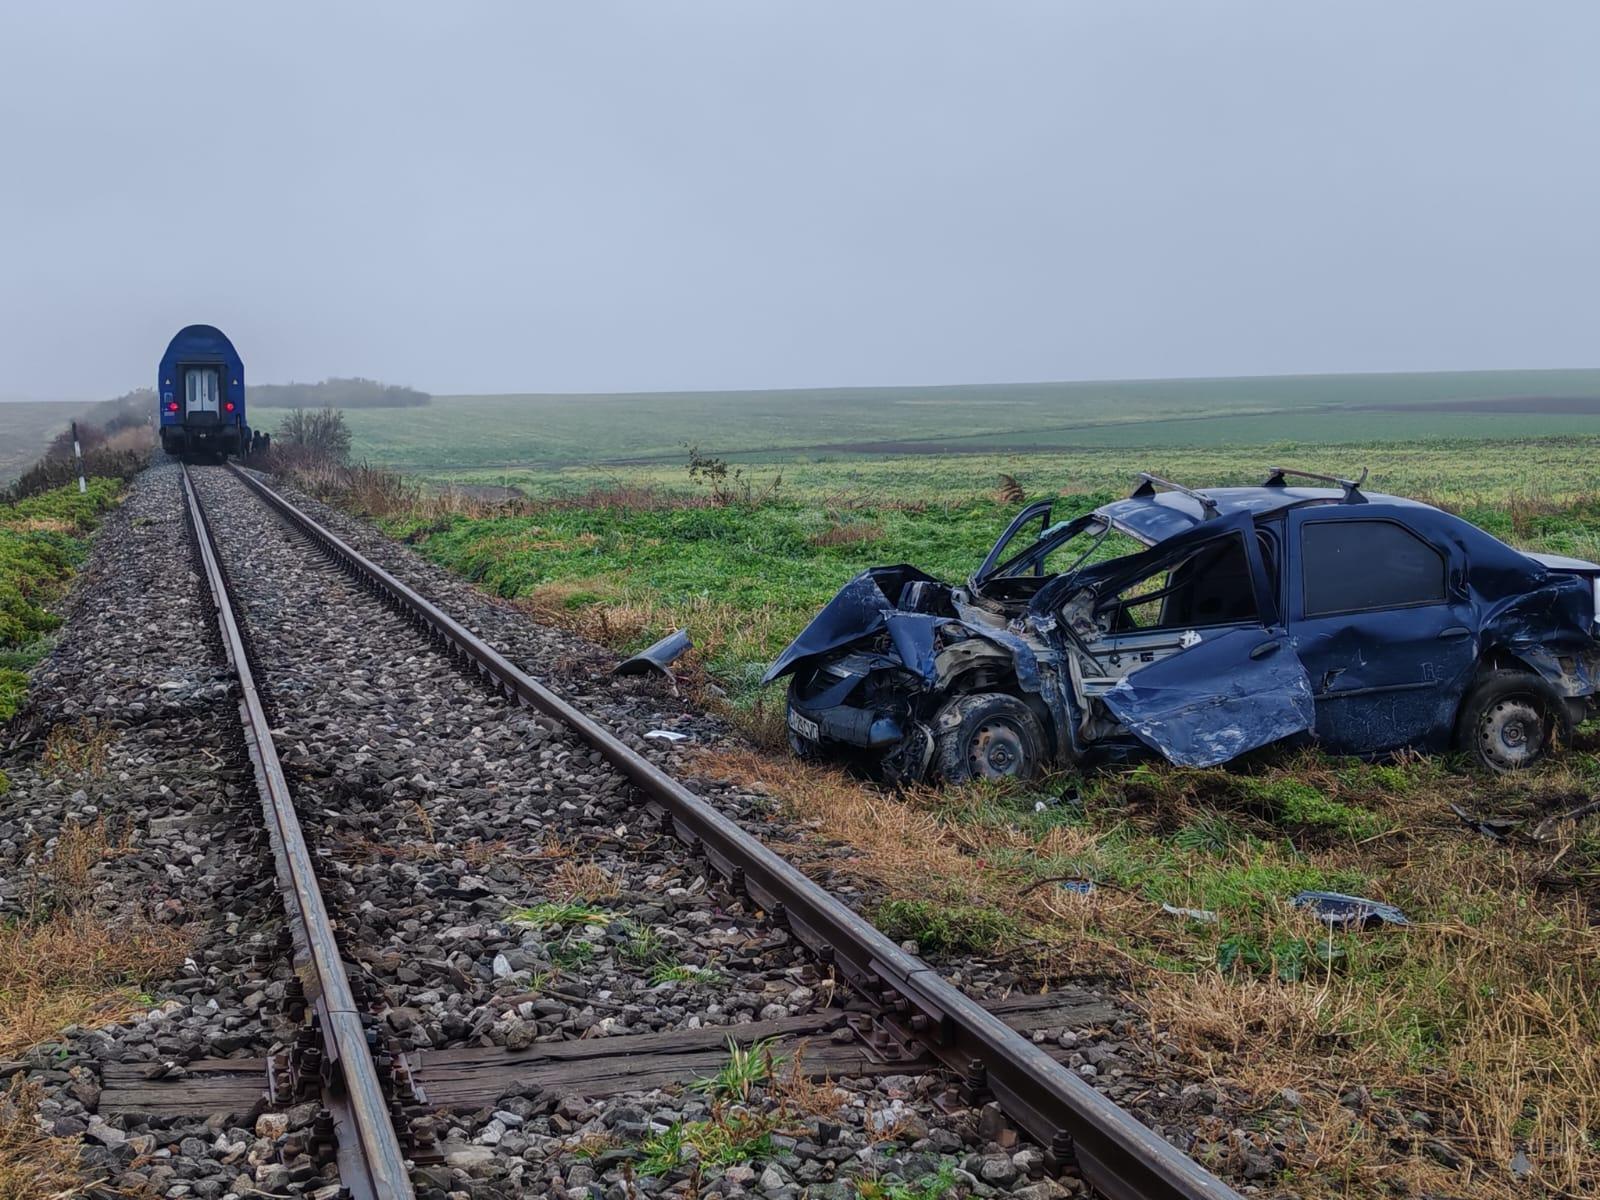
988, 736
1510, 720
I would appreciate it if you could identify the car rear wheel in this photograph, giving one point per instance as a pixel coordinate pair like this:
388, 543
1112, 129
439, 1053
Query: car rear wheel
988, 736
1510, 720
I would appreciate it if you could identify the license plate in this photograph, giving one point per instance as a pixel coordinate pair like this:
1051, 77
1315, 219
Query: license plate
805, 728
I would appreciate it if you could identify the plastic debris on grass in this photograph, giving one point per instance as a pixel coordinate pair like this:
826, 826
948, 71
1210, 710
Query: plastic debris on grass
1203, 915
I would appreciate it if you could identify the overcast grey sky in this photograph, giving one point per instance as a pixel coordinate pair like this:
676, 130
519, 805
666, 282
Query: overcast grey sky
528, 196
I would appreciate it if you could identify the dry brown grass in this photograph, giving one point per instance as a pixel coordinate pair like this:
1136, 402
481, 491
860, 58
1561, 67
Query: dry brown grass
1503, 996
1009, 491
799, 1093
848, 533
67, 870
63, 965
33, 1164
582, 881
903, 847
77, 751
908, 848
41, 525
373, 492
74, 969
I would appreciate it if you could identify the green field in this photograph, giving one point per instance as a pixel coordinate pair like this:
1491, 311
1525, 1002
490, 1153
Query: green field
26, 427
545, 431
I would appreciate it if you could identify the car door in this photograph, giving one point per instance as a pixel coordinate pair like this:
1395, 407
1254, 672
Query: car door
1189, 653
1036, 513
1378, 616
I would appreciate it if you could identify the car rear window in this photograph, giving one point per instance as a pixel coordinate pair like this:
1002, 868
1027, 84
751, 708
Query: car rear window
1352, 566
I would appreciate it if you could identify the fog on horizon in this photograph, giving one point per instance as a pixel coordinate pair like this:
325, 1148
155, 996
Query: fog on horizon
505, 196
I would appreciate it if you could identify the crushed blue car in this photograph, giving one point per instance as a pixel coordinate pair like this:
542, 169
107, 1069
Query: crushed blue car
1199, 625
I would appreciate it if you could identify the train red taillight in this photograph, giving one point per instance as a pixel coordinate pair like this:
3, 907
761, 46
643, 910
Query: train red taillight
228, 406
172, 406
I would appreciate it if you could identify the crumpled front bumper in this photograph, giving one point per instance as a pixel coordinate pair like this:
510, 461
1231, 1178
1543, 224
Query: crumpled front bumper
826, 717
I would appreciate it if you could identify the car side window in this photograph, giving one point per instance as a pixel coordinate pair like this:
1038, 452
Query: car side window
1212, 586
1360, 565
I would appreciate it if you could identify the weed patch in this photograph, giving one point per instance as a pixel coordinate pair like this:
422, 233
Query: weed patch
43, 539
747, 1068
684, 973
946, 929
929, 1187
718, 1141
560, 914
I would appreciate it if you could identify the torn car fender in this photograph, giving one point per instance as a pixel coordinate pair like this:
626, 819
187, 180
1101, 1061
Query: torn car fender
1546, 629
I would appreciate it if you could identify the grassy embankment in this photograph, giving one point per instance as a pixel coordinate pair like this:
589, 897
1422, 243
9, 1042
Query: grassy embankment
43, 538
1476, 1031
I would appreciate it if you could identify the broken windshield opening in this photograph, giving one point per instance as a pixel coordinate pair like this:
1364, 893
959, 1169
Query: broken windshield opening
1067, 547
1085, 540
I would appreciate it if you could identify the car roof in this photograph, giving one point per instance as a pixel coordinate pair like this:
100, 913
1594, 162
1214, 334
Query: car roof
1156, 516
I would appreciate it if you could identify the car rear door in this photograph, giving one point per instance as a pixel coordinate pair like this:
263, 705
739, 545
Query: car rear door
1206, 672
1378, 616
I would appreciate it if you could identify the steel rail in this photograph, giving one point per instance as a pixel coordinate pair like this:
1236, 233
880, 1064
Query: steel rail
372, 1165
1118, 1156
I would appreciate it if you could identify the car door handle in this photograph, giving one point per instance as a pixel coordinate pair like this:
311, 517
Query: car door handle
1455, 631
1265, 649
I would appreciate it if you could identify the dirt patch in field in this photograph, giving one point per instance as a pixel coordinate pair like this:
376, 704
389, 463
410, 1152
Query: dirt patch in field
1561, 405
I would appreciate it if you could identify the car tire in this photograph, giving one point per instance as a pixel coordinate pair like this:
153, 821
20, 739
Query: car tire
1510, 720
987, 736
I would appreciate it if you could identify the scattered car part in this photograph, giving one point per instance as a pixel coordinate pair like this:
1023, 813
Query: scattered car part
658, 658
1545, 829
1349, 912
1498, 828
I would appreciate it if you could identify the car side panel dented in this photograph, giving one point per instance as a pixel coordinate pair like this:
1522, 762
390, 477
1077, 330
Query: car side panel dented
1238, 691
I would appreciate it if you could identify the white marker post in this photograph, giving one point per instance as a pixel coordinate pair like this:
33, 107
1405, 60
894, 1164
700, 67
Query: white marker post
77, 452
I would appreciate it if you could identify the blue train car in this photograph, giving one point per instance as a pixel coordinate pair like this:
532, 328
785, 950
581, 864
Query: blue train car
200, 391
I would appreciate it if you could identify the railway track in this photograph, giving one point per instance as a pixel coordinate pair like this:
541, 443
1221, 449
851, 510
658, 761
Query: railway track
905, 1016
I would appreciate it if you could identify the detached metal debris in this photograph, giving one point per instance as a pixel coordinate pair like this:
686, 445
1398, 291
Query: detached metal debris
1200, 625
1349, 912
658, 658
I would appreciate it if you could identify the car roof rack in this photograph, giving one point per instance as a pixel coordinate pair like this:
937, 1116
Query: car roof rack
1148, 484
1352, 487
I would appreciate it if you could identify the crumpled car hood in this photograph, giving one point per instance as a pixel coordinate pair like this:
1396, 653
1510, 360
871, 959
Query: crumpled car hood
865, 606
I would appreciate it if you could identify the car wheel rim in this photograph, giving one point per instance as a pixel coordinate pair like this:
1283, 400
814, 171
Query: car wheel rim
997, 751
1512, 733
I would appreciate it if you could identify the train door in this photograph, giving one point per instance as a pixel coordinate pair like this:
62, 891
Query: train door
202, 392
